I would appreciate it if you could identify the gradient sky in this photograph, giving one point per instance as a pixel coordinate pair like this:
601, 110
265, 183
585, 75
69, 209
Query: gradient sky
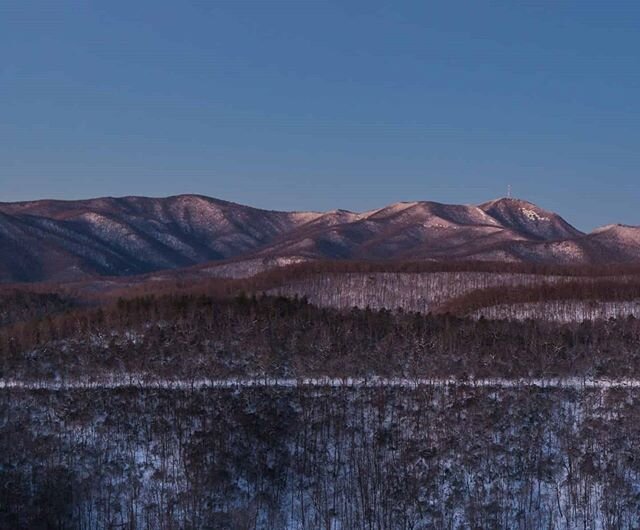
322, 105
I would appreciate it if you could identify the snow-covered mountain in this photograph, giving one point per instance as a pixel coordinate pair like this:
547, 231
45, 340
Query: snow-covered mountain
529, 219
68, 240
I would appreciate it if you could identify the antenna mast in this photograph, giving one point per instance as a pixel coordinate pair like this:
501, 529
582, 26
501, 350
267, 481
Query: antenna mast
509, 191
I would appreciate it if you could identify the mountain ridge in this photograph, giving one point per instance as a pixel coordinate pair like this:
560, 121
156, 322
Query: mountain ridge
60, 240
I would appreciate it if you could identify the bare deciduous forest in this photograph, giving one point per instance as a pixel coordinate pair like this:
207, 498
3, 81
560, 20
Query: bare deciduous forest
189, 336
432, 455
445, 458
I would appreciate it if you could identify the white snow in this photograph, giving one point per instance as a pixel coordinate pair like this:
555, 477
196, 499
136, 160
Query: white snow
562, 310
533, 215
148, 382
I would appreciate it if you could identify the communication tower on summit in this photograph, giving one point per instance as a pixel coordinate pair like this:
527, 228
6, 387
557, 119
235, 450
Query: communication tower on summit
508, 191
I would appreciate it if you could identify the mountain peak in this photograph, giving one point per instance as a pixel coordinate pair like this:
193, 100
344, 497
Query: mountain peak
509, 202
529, 219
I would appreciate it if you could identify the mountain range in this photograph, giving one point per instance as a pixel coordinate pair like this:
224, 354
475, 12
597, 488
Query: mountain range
53, 240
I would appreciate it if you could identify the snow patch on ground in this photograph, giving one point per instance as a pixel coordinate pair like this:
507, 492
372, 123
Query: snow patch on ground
533, 215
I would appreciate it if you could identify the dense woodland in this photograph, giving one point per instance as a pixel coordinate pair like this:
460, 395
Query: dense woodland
22, 305
192, 336
452, 456
456, 287
358, 459
603, 290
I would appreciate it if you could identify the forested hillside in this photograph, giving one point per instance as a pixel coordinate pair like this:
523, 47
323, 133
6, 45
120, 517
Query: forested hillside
191, 336
20, 305
498, 291
431, 458
193, 405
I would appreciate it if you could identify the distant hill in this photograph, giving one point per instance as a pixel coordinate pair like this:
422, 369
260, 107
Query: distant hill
73, 240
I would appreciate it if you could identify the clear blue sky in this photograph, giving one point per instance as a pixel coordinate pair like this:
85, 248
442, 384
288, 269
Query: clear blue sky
320, 105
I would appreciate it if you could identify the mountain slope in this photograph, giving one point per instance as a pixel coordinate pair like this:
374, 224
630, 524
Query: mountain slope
529, 219
426, 230
70, 240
